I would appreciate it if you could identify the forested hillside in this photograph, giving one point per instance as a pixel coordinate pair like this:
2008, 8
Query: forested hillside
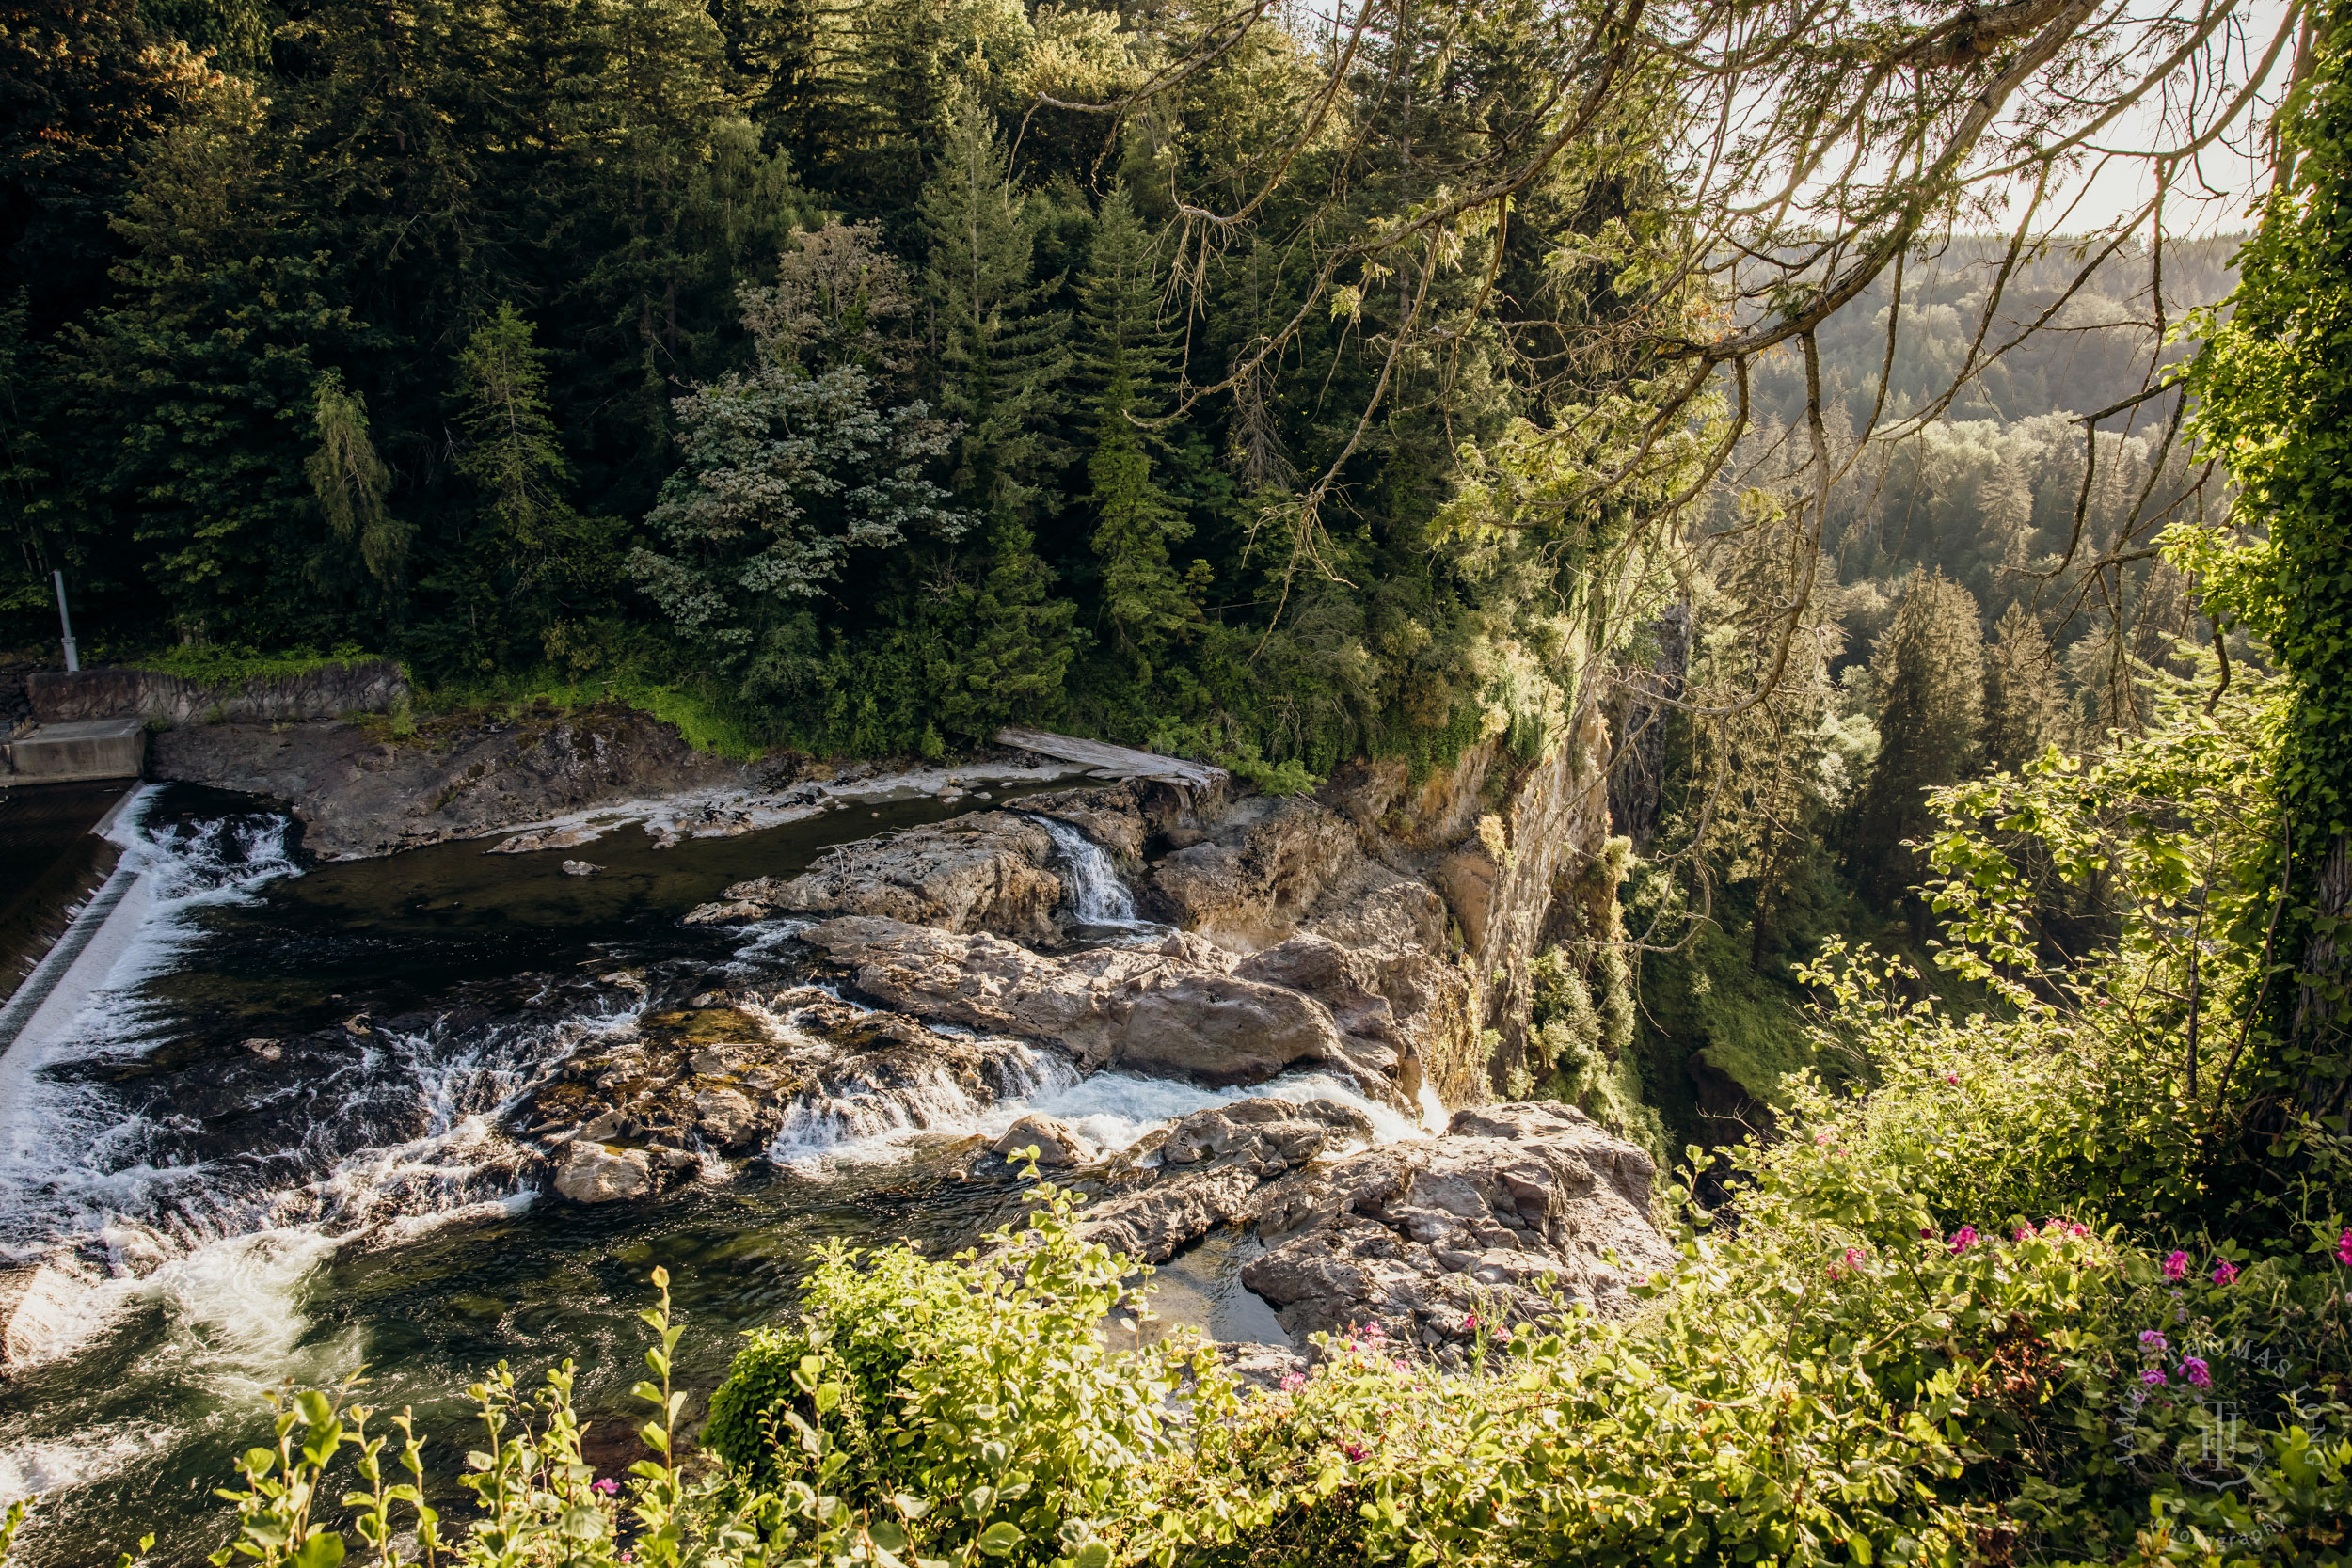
799, 355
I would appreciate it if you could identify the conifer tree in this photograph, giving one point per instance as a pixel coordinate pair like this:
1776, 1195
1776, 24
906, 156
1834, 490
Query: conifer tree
1003, 350
1928, 673
1125, 353
538, 554
2026, 708
1021, 650
351, 482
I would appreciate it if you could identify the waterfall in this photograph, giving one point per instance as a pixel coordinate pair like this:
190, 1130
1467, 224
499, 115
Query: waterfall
1097, 896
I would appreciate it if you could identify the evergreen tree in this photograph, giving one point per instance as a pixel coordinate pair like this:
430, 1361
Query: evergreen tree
1927, 670
350, 483
1003, 349
191, 398
1125, 354
2026, 708
539, 555
1021, 650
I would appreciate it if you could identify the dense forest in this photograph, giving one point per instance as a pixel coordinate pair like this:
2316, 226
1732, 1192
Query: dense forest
791, 354
1960, 604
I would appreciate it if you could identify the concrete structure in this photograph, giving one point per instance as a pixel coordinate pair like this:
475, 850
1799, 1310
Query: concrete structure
67, 754
327, 690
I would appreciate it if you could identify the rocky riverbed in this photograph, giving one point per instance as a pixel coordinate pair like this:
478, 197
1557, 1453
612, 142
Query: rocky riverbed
1154, 929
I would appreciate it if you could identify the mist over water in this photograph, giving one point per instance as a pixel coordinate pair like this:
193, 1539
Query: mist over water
272, 1147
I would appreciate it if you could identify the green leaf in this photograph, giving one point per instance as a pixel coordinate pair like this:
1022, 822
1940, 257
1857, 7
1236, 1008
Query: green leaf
323, 1550
1000, 1538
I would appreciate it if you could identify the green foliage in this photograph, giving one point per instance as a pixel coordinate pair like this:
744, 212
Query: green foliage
981, 1386
1020, 649
794, 463
1125, 354
1928, 673
1003, 351
2273, 392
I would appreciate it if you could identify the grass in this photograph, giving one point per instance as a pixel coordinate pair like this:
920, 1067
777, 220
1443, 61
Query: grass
224, 666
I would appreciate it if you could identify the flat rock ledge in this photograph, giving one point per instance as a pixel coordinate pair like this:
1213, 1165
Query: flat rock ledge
1155, 1011
1516, 1214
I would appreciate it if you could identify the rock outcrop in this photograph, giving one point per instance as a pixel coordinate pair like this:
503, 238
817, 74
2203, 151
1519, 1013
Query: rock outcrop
1143, 1010
1517, 1212
637, 1111
360, 790
1212, 1166
984, 871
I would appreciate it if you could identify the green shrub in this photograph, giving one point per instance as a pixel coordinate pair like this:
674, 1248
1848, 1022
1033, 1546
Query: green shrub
980, 1385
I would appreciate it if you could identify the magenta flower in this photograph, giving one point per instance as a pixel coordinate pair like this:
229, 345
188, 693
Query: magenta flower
2024, 1233
606, 1485
2150, 1339
1965, 1238
2224, 1273
2344, 1248
2195, 1372
2176, 1266
1952, 1078
2154, 1377
1357, 1452
1469, 1324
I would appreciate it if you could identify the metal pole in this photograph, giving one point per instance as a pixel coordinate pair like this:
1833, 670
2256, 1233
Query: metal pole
72, 659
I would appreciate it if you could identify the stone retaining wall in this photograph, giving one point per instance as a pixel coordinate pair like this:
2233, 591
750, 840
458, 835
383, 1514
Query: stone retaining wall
171, 702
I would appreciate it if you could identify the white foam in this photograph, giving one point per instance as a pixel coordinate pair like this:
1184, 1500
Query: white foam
46, 1466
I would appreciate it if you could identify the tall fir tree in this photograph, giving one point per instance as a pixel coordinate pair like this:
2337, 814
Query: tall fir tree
1123, 355
537, 555
1021, 647
2026, 706
1928, 673
1003, 349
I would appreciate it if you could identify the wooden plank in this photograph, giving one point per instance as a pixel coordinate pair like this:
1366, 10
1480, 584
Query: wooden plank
1121, 761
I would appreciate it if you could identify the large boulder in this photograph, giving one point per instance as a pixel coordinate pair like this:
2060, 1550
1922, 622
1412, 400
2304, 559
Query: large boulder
1056, 1142
599, 1173
1144, 1010
1514, 1214
1249, 885
984, 871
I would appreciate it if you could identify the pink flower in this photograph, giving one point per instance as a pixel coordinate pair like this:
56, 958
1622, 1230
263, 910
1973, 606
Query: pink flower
2152, 1377
2224, 1273
2150, 1339
606, 1485
1820, 1140
1355, 1452
1952, 1078
2176, 1265
2195, 1372
2344, 1248
2024, 1233
1469, 1324
1965, 1238
1292, 1381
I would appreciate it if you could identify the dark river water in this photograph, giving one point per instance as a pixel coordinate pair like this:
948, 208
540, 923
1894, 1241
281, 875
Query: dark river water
268, 1150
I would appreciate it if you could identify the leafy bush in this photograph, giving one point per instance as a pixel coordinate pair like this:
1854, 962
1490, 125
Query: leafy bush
981, 1386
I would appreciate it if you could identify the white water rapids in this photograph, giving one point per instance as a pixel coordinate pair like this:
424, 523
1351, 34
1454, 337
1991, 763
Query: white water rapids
189, 1206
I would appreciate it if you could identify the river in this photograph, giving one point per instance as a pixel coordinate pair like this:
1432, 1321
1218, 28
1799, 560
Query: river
268, 1149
